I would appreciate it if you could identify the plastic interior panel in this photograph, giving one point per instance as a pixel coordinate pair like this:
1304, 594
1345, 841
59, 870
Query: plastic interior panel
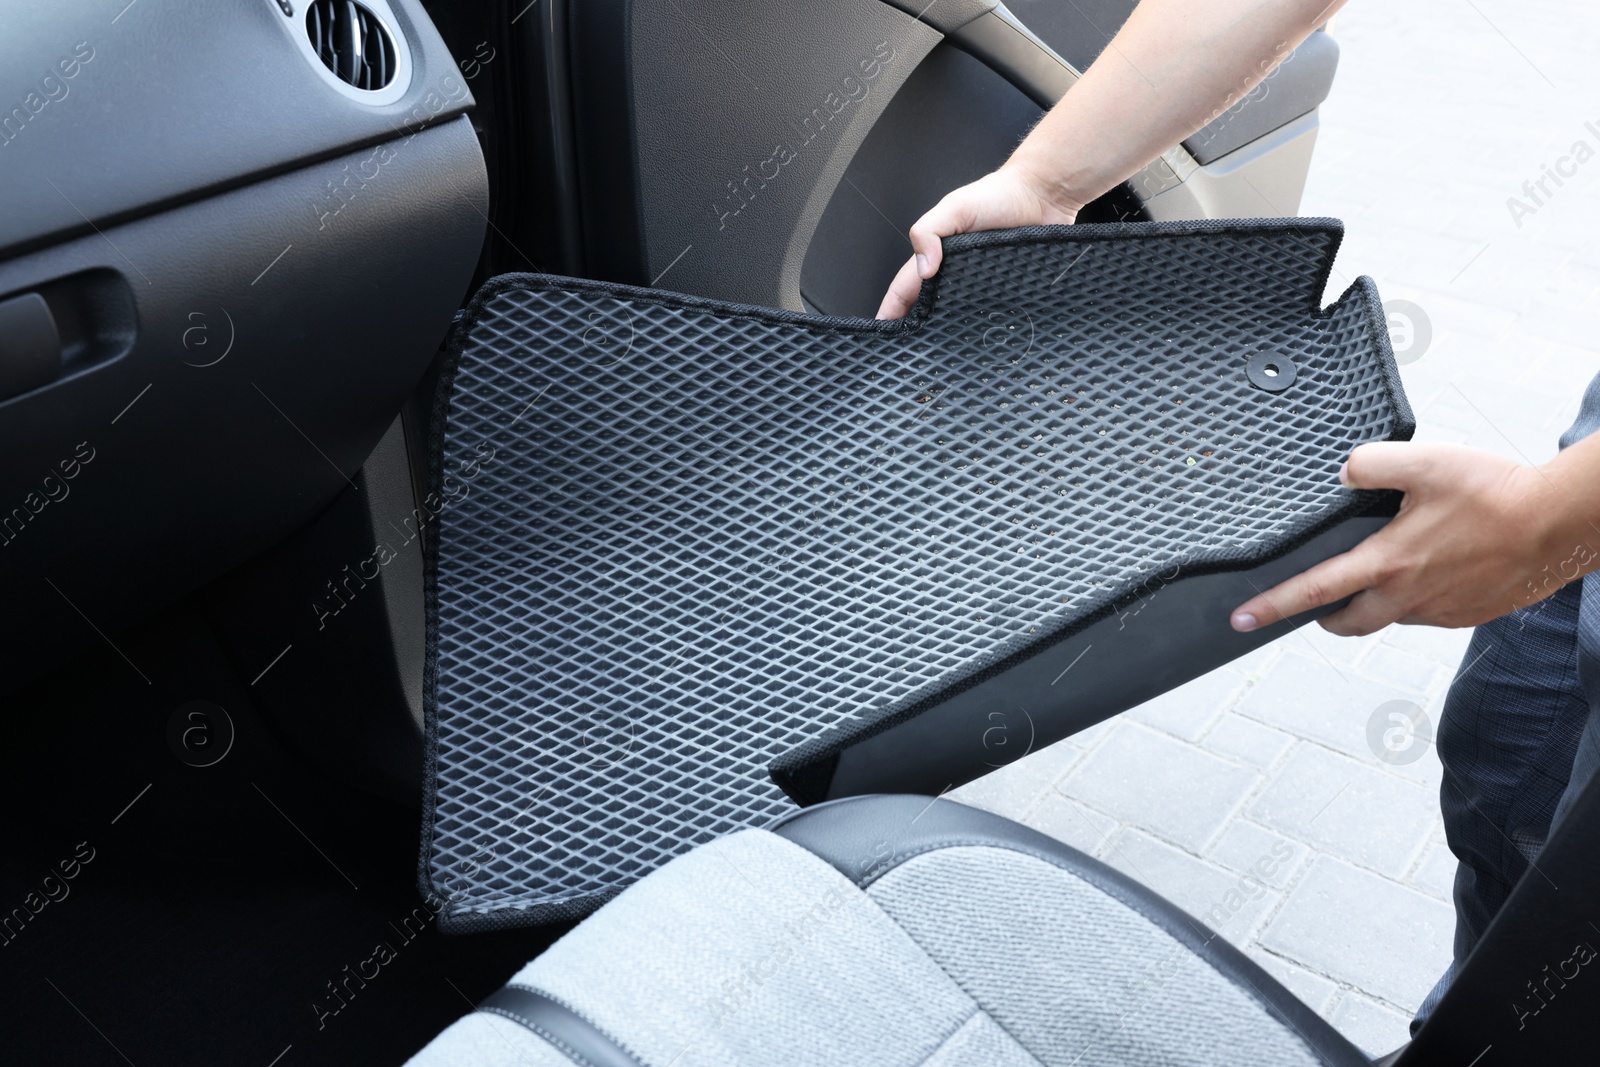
1294, 88
687, 537
228, 365
1078, 31
946, 17
719, 129
952, 122
93, 137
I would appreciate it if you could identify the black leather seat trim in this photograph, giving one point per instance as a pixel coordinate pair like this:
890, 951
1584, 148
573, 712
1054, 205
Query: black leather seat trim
577, 1038
866, 837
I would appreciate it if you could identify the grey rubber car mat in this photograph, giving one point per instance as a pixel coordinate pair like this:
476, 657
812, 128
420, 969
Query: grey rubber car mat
687, 550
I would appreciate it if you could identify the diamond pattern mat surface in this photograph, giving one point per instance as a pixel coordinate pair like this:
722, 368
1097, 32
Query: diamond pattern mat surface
678, 538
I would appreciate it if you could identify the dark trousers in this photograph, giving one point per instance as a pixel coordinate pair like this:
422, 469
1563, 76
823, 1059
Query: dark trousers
1516, 743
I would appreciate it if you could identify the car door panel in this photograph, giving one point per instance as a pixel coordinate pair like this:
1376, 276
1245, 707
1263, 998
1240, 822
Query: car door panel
690, 116
741, 120
953, 121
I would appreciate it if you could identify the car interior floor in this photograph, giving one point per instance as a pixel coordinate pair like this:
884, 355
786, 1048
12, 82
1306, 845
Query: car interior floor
160, 912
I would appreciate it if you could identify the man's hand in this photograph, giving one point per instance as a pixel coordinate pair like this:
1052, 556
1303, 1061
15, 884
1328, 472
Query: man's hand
1173, 67
1008, 197
1476, 537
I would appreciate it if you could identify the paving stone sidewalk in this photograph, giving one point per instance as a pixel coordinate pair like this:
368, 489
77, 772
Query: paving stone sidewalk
1442, 110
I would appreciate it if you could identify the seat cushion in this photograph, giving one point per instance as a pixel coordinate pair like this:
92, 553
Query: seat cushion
894, 931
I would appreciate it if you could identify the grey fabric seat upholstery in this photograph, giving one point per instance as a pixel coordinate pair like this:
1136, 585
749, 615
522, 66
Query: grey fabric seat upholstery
889, 930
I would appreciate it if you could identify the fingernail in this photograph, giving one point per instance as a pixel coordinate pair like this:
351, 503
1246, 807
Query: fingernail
922, 264
1244, 622
1344, 473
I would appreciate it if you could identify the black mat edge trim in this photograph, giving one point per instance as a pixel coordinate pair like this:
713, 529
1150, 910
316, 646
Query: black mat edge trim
929, 753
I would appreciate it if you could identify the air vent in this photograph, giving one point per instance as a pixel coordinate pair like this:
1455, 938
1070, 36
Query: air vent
352, 42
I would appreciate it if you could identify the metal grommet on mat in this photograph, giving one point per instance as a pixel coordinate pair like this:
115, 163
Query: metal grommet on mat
1270, 372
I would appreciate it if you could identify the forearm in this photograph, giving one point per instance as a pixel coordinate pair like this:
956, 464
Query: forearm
1565, 507
1174, 66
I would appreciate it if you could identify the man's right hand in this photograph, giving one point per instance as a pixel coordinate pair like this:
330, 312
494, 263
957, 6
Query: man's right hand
1008, 197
